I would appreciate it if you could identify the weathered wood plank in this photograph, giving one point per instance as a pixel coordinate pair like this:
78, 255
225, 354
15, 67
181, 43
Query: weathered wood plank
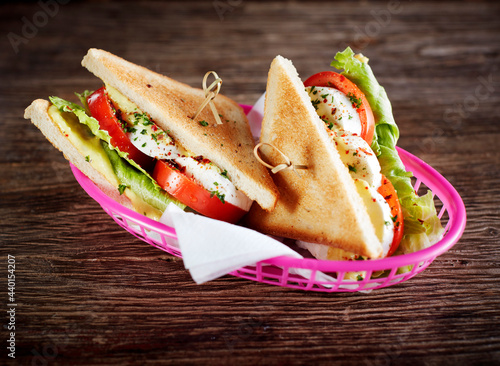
90, 293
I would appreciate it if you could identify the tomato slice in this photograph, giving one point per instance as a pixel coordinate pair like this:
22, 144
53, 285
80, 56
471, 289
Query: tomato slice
346, 86
389, 193
193, 195
101, 109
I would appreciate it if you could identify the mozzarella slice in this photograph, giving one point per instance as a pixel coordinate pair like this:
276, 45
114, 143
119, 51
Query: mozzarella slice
335, 109
154, 142
358, 157
379, 212
210, 177
147, 137
204, 173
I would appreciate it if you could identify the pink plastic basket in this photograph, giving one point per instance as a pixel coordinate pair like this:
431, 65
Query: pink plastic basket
282, 271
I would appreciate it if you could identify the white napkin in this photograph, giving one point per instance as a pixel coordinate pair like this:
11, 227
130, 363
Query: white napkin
255, 116
212, 248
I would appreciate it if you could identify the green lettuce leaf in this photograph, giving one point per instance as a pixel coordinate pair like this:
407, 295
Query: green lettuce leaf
93, 124
422, 226
138, 182
128, 172
83, 100
386, 130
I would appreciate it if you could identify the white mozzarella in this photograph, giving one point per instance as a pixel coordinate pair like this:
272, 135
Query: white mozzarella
335, 109
156, 143
209, 176
379, 212
357, 155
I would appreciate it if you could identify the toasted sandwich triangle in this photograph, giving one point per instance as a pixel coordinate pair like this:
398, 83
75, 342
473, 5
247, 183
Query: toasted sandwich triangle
320, 204
172, 104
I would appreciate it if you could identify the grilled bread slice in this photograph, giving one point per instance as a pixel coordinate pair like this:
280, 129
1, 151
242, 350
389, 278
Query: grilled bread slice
172, 104
73, 139
319, 204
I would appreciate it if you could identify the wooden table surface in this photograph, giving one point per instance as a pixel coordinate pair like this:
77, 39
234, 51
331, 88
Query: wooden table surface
87, 292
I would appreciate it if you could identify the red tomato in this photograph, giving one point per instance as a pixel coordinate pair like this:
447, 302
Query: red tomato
101, 109
193, 195
389, 193
340, 82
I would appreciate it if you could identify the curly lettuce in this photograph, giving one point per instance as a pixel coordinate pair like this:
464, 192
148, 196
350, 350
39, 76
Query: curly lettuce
422, 225
128, 172
84, 118
138, 182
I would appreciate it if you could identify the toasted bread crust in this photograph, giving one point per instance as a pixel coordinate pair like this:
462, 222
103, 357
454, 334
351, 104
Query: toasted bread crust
322, 204
172, 104
37, 111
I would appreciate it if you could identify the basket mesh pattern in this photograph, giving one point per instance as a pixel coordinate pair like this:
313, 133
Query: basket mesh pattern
311, 274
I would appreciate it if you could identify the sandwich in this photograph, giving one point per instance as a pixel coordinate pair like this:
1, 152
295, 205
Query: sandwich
349, 196
144, 141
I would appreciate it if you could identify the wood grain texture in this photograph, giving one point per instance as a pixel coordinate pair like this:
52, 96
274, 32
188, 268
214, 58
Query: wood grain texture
89, 293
